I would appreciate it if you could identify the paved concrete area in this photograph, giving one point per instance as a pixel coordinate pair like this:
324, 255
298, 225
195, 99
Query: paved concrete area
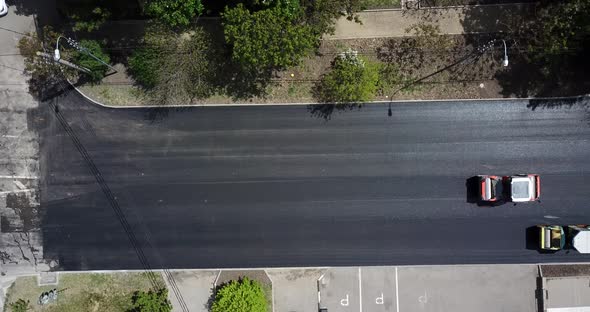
456, 20
431, 288
295, 290
563, 294
196, 288
490, 288
21, 246
339, 289
379, 289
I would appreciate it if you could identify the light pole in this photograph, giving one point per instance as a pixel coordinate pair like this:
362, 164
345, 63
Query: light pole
505, 62
77, 46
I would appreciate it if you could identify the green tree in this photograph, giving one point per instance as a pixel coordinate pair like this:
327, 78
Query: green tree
151, 301
143, 66
44, 73
97, 69
244, 295
560, 26
273, 38
20, 305
174, 12
351, 79
175, 68
89, 20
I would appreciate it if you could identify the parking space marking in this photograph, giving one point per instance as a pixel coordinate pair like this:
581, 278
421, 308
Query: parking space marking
360, 292
396, 292
18, 177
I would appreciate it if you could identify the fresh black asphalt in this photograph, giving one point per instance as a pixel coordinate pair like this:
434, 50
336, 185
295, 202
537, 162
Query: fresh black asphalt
276, 186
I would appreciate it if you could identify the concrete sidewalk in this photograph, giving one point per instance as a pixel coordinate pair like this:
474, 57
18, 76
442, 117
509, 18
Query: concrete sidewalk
454, 20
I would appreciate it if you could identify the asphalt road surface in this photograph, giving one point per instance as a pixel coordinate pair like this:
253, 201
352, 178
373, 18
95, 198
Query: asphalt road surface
275, 186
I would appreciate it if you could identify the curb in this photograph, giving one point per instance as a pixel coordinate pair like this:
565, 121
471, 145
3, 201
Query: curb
307, 267
312, 103
404, 4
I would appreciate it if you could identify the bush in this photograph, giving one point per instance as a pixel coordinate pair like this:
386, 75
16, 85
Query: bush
151, 301
143, 66
97, 69
20, 305
173, 12
86, 19
244, 295
352, 79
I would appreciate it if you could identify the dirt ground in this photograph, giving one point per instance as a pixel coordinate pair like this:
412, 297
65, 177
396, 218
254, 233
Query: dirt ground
566, 270
469, 74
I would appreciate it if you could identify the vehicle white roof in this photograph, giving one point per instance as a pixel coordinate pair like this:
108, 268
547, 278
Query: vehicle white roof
582, 241
522, 188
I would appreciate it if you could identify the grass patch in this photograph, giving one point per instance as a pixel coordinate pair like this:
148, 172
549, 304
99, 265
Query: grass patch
82, 292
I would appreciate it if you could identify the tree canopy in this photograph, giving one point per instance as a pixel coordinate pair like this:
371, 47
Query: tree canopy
151, 301
244, 295
173, 12
275, 37
174, 67
351, 79
98, 69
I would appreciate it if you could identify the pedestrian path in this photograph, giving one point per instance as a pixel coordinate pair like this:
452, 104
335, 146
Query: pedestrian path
454, 20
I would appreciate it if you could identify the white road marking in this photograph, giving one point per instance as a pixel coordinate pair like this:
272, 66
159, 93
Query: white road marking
396, 292
360, 292
10, 136
17, 191
19, 184
18, 177
550, 217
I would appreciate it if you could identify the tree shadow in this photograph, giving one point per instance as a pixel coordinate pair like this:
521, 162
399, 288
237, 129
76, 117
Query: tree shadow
325, 110
582, 101
527, 74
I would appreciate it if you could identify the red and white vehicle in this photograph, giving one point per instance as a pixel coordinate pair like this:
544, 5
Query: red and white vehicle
516, 188
488, 188
523, 187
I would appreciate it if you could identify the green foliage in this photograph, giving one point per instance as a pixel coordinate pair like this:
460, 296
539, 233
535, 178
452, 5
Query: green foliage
174, 12
143, 66
244, 295
98, 69
86, 19
20, 305
562, 25
44, 73
151, 301
174, 67
389, 79
273, 38
351, 79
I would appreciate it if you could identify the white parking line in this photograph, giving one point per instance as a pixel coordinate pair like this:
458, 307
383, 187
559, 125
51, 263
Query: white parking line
17, 177
17, 191
396, 292
360, 292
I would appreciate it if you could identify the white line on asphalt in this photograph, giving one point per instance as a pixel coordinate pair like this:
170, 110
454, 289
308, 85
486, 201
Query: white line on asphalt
19, 184
396, 292
10, 136
17, 191
360, 292
18, 177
